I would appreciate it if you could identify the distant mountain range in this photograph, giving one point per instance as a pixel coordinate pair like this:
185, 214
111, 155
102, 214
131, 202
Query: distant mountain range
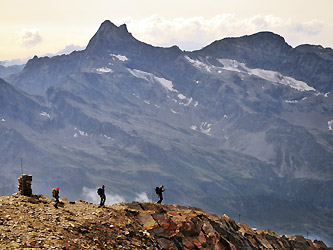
9, 70
242, 126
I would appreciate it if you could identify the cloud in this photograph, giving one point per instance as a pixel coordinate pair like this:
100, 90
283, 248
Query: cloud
67, 50
184, 31
142, 197
90, 195
70, 48
17, 61
30, 37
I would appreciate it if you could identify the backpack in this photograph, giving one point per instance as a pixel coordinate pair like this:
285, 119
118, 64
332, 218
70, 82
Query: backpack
157, 190
99, 191
53, 192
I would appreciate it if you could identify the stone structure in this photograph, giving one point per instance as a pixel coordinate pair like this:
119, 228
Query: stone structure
24, 186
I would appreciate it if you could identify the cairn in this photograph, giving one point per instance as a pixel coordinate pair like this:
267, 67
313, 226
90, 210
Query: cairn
24, 186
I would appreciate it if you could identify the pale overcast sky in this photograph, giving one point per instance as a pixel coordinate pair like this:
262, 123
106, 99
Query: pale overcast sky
39, 27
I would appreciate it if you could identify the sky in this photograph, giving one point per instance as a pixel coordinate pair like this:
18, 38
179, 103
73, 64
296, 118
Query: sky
44, 27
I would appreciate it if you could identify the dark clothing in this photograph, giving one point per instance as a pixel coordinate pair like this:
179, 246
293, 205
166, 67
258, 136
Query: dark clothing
160, 195
103, 197
56, 198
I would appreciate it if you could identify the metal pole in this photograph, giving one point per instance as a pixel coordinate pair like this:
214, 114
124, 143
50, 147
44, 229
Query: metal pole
21, 166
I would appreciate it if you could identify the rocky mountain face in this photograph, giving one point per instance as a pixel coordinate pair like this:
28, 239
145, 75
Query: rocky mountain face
243, 126
33, 222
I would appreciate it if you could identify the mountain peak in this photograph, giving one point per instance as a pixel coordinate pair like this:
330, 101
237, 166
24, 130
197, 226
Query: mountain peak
108, 26
110, 36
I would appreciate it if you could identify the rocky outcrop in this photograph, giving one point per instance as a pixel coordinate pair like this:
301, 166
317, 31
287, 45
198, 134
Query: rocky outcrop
32, 222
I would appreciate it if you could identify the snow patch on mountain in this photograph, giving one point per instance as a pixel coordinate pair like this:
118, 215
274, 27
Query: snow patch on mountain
291, 101
107, 137
104, 70
272, 76
205, 128
82, 133
152, 78
79, 133
233, 65
322, 94
330, 125
200, 65
188, 102
184, 98
296, 101
120, 57
45, 114
193, 127
166, 83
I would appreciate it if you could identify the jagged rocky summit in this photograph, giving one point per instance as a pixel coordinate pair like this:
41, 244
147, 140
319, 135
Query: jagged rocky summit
32, 222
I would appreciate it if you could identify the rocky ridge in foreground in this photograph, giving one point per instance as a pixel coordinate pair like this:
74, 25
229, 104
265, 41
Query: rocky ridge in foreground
33, 222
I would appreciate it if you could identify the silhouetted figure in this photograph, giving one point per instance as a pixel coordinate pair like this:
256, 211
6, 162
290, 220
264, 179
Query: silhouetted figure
56, 196
159, 191
101, 193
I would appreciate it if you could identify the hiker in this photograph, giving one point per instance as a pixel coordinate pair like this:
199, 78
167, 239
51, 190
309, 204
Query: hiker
56, 196
101, 193
159, 191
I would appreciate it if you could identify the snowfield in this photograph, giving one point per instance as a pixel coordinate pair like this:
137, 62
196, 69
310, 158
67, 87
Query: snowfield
152, 78
120, 57
272, 76
233, 65
104, 70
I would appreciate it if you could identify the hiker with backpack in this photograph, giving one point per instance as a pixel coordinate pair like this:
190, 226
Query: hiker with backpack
101, 193
159, 191
55, 194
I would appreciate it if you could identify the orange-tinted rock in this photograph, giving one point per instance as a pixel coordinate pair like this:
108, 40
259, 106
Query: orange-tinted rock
32, 222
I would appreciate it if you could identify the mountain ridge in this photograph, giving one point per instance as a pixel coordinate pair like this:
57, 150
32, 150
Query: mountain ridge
33, 222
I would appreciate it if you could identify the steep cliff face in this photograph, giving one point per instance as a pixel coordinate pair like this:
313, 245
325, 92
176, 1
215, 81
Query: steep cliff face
33, 222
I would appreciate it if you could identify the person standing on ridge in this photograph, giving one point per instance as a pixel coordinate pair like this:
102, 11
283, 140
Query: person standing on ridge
56, 196
159, 191
101, 193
